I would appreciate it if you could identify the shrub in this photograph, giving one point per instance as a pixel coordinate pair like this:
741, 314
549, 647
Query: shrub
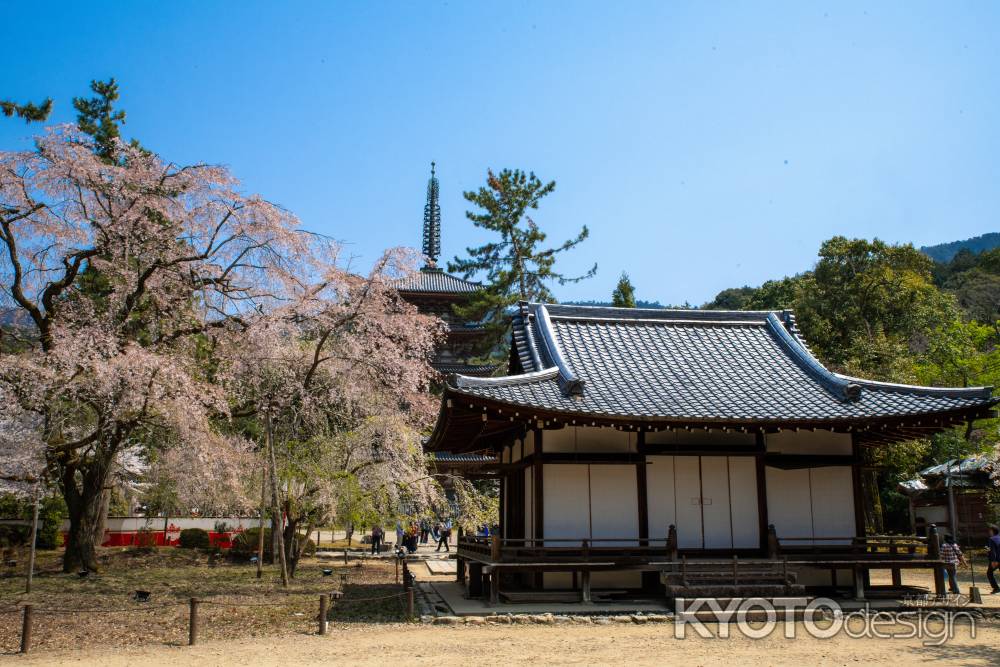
245, 545
195, 538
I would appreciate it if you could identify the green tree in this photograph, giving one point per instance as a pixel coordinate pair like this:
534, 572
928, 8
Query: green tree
98, 117
30, 112
624, 294
869, 293
516, 266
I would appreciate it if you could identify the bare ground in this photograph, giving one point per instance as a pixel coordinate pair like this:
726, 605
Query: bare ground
541, 645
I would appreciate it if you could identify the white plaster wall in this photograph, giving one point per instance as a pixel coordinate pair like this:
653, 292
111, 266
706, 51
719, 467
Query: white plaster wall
660, 495
614, 504
588, 439
566, 490
717, 523
743, 490
809, 442
811, 502
687, 492
701, 437
789, 502
833, 502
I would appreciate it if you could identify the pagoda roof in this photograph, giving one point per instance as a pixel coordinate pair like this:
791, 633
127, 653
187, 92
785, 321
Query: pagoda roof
475, 370
664, 367
433, 280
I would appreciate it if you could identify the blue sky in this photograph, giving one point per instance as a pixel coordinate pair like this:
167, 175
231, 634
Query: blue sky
705, 145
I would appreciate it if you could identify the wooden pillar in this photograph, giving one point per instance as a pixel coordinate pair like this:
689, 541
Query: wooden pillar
494, 584
763, 519
859, 496
859, 583
897, 575
934, 553
538, 496
460, 570
585, 587
475, 579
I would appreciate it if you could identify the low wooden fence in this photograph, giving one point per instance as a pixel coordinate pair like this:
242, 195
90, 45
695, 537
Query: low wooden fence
326, 601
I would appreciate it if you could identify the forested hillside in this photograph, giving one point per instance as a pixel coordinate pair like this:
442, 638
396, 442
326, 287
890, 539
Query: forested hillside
889, 312
944, 252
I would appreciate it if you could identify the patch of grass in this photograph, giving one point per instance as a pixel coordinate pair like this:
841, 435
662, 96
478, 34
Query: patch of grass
234, 602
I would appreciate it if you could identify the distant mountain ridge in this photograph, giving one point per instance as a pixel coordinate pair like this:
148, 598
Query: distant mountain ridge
944, 252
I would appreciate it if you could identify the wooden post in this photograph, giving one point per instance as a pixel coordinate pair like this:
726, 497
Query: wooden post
460, 570
736, 570
859, 584
897, 574
409, 604
585, 587
934, 553
345, 555
494, 586
772, 541
397, 569
322, 613
495, 548
34, 539
672, 542
26, 628
193, 623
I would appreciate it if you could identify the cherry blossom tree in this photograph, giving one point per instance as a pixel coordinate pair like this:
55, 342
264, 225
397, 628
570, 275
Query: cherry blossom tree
341, 373
125, 270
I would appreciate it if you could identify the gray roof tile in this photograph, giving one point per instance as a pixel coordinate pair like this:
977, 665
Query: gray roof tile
435, 280
690, 365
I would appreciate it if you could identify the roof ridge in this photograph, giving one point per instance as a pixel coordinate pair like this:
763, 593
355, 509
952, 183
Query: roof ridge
568, 311
985, 391
841, 387
465, 381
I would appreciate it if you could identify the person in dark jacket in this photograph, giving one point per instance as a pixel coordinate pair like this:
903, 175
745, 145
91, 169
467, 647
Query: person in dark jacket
377, 535
993, 547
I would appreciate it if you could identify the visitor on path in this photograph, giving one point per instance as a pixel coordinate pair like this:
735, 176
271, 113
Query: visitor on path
993, 547
412, 535
377, 535
952, 556
445, 536
425, 529
399, 534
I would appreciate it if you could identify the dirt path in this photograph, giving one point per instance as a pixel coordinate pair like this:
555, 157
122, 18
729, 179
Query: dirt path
539, 645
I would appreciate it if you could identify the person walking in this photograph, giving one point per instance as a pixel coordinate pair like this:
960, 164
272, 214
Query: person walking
377, 534
993, 556
445, 536
952, 556
425, 529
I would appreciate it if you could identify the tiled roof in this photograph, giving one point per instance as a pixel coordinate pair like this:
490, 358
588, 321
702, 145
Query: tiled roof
435, 280
475, 370
450, 457
703, 366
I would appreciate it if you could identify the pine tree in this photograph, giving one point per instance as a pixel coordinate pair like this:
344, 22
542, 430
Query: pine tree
30, 112
514, 266
97, 117
624, 294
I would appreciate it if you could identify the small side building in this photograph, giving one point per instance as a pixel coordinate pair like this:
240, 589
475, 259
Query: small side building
681, 451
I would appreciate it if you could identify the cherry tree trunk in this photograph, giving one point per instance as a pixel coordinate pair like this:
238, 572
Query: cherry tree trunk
85, 506
83, 489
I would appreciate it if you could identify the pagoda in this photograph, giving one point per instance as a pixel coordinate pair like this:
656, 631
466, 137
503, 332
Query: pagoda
434, 292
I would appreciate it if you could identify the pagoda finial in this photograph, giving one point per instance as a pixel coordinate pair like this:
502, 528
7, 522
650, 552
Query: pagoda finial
432, 222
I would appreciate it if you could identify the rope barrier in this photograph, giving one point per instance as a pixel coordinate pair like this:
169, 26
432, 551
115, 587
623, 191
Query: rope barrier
140, 607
